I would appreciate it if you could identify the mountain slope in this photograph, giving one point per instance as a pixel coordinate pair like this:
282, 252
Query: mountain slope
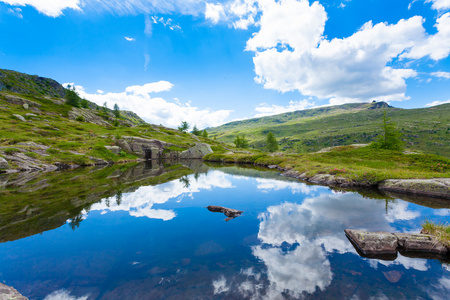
39, 131
425, 129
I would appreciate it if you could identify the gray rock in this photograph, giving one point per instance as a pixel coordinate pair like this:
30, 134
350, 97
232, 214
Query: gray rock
113, 149
10, 293
88, 116
30, 115
3, 163
21, 101
438, 187
370, 243
374, 244
420, 243
21, 118
198, 151
34, 145
26, 106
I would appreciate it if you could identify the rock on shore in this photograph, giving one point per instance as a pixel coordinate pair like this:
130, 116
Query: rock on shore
438, 187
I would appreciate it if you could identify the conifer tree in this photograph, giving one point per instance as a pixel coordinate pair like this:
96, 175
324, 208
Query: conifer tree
272, 144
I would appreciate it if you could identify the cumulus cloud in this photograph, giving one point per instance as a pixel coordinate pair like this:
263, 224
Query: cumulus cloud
434, 103
52, 8
292, 53
214, 12
156, 110
439, 4
264, 109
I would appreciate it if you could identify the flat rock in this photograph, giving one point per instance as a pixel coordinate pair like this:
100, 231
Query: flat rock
113, 149
10, 293
420, 243
437, 187
370, 243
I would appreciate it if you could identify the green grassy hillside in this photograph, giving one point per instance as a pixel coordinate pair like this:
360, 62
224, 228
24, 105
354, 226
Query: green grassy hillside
425, 129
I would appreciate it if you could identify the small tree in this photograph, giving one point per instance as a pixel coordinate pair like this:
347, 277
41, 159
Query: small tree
272, 144
84, 103
105, 107
390, 137
241, 142
116, 110
205, 134
72, 97
184, 126
196, 131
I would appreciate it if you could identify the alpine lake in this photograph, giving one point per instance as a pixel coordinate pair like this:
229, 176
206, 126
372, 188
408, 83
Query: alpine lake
142, 231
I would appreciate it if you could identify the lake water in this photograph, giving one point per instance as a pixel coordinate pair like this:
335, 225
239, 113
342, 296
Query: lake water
144, 233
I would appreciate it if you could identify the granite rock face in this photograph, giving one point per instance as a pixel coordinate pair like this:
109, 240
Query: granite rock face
87, 115
438, 187
198, 151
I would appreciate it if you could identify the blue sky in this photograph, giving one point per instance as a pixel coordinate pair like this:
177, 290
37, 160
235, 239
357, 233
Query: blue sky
210, 62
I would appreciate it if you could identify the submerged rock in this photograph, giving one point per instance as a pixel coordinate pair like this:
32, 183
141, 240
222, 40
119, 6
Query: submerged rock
229, 212
10, 293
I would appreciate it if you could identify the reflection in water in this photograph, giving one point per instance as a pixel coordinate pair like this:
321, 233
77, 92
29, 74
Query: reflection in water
140, 202
147, 235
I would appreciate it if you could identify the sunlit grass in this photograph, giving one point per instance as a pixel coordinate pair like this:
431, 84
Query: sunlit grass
440, 231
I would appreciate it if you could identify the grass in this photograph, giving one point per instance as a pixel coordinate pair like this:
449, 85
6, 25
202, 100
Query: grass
440, 231
365, 165
426, 130
53, 128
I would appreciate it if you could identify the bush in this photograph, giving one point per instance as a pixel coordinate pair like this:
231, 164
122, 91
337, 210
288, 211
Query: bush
80, 119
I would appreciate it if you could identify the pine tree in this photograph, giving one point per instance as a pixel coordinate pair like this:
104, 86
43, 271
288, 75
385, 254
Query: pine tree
72, 97
184, 126
272, 144
116, 110
390, 138
205, 134
195, 131
241, 142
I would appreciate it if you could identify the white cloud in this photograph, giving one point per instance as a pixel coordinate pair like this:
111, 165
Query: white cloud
220, 285
52, 8
100, 92
154, 87
434, 103
63, 295
141, 202
167, 23
441, 74
214, 12
157, 110
435, 46
146, 61
264, 109
296, 187
292, 53
16, 12
148, 29
439, 4
130, 39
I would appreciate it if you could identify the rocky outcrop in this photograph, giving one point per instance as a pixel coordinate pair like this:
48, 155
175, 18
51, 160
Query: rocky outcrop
198, 151
385, 245
438, 187
87, 115
3, 163
21, 118
10, 293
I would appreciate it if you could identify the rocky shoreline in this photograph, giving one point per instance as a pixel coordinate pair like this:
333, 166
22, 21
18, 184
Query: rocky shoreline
436, 187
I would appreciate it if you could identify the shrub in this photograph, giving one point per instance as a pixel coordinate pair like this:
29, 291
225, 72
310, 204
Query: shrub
80, 119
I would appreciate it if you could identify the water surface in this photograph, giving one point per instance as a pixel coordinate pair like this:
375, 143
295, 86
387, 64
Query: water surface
144, 233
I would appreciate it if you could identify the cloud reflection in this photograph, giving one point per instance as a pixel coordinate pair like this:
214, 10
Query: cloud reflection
140, 203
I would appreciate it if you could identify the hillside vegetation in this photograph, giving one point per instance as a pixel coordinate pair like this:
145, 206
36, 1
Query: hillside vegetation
39, 127
425, 129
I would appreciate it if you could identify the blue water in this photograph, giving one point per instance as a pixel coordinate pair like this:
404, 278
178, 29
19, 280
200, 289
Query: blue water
160, 242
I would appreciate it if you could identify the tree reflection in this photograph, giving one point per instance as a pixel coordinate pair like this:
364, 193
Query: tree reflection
76, 221
185, 181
